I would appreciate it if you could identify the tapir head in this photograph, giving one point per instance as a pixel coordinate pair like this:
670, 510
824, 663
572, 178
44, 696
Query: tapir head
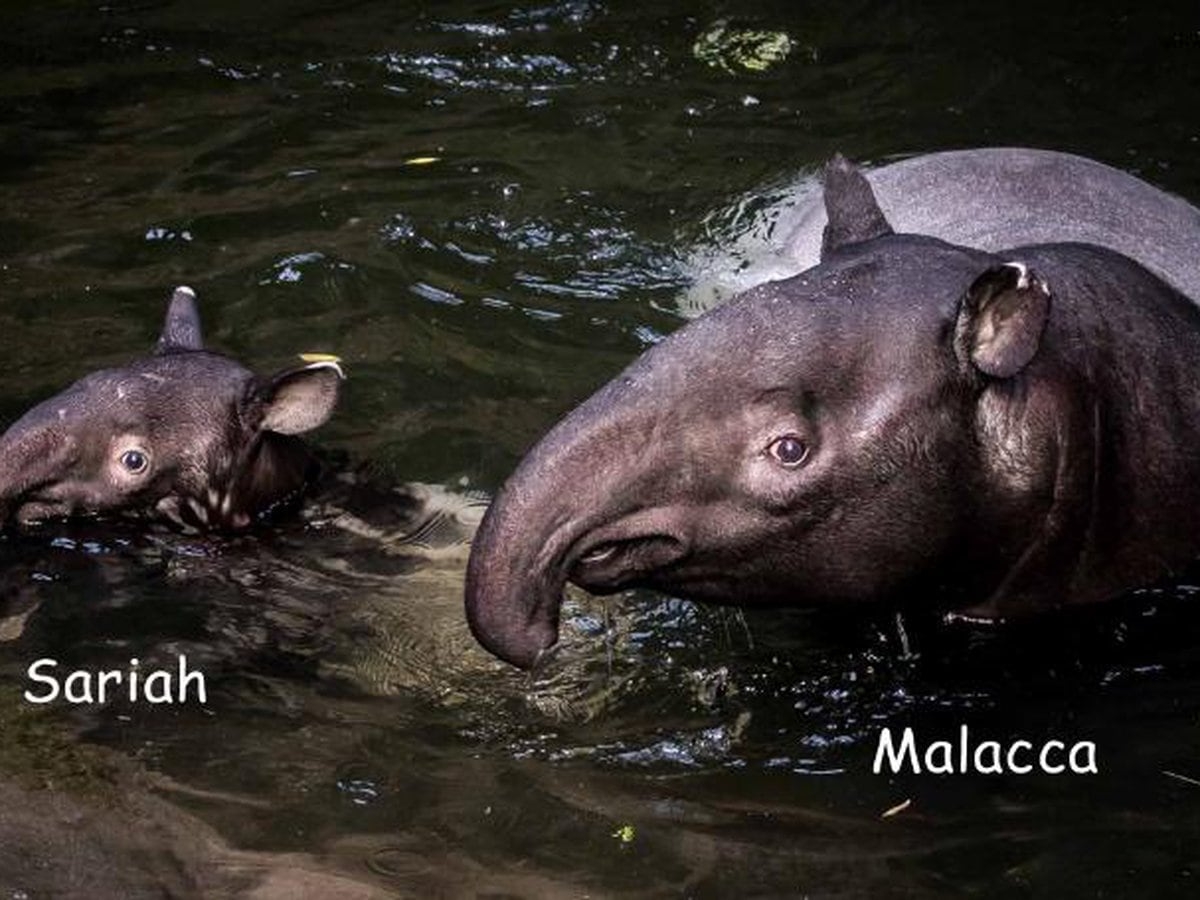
184, 434
811, 441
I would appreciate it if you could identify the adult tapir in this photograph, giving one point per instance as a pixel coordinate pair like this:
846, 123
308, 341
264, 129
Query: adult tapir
994, 432
185, 435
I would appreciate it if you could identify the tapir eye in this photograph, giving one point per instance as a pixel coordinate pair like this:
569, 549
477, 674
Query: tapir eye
789, 450
135, 461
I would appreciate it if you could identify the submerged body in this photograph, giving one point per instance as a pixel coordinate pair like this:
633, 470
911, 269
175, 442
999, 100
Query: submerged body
993, 432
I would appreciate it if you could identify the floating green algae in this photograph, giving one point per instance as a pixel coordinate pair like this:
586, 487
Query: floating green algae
741, 49
37, 751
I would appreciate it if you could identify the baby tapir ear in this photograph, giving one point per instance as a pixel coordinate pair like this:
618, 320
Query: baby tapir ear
1001, 320
181, 330
299, 400
850, 204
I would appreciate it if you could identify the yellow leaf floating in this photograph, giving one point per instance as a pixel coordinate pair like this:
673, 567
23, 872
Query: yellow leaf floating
319, 358
625, 834
422, 160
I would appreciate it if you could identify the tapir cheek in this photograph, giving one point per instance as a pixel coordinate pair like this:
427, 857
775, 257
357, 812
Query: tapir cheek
121, 480
778, 489
774, 495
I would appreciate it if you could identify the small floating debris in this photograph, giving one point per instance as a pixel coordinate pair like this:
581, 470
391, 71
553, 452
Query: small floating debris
1184, 778
896, 810
741, 49
422, 160
625, 834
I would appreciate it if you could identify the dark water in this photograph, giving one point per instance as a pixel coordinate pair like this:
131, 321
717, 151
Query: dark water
486, 210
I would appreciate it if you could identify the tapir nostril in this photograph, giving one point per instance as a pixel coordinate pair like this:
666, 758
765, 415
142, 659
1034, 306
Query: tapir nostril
615, 564
599, 553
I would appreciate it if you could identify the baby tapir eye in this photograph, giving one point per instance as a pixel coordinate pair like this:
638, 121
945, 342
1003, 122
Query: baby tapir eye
789, 450
135, 461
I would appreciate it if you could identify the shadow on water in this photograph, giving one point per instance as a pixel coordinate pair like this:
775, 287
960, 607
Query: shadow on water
487, 211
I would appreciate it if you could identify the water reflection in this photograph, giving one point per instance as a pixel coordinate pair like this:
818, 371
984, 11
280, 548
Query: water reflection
352, 711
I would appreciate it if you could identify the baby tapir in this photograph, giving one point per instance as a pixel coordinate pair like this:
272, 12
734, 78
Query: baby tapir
185, 435
992, 432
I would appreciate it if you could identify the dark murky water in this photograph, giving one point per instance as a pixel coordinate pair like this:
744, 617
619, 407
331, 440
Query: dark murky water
487, 210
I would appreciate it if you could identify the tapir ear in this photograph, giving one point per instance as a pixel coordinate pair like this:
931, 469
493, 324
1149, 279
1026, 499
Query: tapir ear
299, 400
1001, 320
850, 204
181, 330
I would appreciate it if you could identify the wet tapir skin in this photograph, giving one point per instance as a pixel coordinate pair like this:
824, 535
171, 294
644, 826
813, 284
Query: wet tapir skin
996, 433
988, 198
185, 435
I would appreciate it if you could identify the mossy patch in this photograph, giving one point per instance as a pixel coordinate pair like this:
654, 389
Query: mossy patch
37, 751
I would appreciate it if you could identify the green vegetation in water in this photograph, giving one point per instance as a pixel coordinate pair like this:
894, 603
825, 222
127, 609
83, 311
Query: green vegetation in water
39, 753
741, 49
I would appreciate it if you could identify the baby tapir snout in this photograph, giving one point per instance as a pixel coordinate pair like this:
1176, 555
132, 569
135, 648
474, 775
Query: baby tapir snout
186, 435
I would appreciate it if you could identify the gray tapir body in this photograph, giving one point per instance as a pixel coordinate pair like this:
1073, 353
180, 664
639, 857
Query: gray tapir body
988, 199
185, 434
996, 432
